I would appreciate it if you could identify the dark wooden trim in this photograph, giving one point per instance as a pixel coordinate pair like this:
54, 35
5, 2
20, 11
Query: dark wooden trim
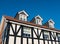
40, 33
35, 33
21, 34
32, 35
27, 41
18, 29
38, 36
15, 34
8, 30
51, 38
43, 37
55, 39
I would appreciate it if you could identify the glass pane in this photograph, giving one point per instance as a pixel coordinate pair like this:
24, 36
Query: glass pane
26, 35
58, 38
46, 37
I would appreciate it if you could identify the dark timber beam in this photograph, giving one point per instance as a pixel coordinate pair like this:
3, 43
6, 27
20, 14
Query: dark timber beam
32, 35
8, 30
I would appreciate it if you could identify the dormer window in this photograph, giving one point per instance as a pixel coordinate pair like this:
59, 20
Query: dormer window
22, 15
38, 20
51, 23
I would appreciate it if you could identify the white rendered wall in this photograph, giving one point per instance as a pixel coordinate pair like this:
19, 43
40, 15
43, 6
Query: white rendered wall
24, 41
18, 40
29, 41
41, 42
35, 41
11, 40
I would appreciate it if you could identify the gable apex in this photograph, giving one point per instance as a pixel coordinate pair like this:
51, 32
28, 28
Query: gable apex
23, 12
51, 21
38, 17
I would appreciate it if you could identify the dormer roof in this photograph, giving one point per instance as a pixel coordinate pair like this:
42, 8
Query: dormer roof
51, 21
23, 12
38, 16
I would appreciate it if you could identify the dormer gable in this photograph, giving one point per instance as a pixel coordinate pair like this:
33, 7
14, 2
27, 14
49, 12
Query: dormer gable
23, 12
38, 17
37, 20
51, 23
22, 15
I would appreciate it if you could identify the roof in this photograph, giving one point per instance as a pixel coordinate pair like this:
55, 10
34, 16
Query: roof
28, 23
51, 21
23, 12
24, 22
39, 17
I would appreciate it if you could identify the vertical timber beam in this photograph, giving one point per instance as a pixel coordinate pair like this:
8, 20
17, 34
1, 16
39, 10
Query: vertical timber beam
50, 38
27, 40
55, 39
21, 34
43, 36
38, 36
32, 35
8, 30
15, 34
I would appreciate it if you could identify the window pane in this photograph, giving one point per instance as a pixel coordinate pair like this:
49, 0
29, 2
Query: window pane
58, 38
46, 37
26, 32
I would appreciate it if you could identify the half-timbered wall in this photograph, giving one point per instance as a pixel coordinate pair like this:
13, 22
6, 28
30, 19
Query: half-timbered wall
18, 34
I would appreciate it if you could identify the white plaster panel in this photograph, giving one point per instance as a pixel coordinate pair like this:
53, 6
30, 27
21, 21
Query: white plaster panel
35, 41
41, 36
18, 40
46, 42
11, 40
39, 31
53, 42
24, 41
49, 42
13, 25
18, 26
41, 42
19, 33
29, 41
34, 35
11, 32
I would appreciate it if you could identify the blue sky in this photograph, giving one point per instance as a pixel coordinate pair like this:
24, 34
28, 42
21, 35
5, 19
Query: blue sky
47, 9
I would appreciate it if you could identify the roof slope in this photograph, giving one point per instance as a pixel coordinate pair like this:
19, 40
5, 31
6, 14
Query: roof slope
28, 23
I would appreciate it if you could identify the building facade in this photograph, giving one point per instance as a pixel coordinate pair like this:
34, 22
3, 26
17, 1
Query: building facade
18, 30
